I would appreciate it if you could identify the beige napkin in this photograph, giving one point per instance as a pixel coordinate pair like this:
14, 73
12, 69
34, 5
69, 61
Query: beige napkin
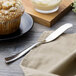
41, 60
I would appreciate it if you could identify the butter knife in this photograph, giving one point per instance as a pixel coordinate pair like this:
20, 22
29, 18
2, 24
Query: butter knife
50, 38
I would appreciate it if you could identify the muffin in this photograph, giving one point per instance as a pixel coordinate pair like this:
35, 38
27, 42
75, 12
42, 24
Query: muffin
10, 16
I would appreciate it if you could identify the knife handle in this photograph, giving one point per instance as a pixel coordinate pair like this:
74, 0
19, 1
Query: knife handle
19, 55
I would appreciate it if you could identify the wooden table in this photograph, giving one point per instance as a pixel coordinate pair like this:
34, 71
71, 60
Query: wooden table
12, 47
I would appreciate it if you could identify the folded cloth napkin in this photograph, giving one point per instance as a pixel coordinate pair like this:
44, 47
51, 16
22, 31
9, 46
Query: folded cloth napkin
41, 60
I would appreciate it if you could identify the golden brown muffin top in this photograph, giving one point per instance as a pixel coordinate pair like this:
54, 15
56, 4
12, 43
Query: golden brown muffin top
10, 9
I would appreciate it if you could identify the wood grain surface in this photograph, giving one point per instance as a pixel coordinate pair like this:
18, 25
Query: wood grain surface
47, 19
8, 48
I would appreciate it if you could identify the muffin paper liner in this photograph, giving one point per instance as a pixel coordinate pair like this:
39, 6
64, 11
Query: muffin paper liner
9, 27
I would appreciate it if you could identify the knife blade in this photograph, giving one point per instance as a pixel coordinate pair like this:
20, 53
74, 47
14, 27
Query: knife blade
58, 32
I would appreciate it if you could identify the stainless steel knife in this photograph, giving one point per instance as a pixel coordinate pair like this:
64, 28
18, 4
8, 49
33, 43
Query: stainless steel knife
50, 38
